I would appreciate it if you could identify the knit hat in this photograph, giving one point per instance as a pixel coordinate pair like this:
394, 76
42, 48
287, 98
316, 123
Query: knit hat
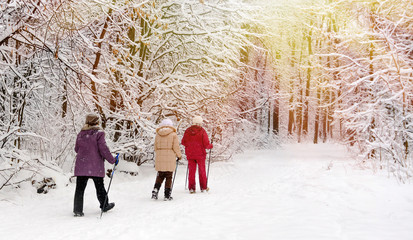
92, 119
166, 122
197, 120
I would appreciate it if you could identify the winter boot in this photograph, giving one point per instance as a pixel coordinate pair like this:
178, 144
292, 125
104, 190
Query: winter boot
155, 193
168, 194
108, 207
78, 214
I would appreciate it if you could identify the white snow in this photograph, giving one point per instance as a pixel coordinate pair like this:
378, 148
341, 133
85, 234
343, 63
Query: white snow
297, 192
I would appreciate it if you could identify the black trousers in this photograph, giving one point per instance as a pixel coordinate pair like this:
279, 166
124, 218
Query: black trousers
81, 182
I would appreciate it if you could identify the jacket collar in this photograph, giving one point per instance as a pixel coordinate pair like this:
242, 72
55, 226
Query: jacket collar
88, 127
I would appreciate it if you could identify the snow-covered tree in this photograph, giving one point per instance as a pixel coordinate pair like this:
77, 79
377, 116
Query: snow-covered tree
133, 62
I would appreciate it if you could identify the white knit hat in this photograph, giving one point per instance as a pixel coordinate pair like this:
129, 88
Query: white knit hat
197, 120
166, 122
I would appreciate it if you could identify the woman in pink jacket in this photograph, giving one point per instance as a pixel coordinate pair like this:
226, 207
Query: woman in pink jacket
196, 141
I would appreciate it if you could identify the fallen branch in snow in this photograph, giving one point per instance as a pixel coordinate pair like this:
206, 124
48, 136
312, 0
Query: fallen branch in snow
11, 176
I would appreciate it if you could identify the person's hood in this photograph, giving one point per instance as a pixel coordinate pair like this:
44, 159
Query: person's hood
165, 130
194, 130
88, 127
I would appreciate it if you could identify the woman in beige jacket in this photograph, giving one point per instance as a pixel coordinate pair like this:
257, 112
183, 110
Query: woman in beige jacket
166, 151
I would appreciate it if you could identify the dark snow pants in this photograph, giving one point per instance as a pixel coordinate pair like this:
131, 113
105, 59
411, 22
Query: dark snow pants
160, 177
192, 163
81, 182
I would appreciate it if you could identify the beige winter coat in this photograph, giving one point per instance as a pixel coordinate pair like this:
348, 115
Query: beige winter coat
166, 149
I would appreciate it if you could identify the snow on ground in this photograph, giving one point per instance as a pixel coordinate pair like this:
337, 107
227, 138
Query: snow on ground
296, 192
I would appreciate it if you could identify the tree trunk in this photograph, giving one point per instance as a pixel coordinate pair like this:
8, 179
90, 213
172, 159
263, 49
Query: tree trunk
95, 66
64, 99
308, 84
143, 51
114, 106
291, 119
326, 96
269, 117
317, 116
331, 108
275, 117
300, 112
372, 126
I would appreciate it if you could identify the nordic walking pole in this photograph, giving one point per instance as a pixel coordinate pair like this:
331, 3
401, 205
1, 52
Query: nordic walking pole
209, 160
110, 182
173, 181
209, 163
186, 179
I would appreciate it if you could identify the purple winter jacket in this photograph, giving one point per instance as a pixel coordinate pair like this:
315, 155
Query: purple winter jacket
91, 152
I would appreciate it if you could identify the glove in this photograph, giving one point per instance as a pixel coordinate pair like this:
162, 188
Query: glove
117, 159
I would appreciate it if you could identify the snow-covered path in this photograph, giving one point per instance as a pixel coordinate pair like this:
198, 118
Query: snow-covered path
297, 192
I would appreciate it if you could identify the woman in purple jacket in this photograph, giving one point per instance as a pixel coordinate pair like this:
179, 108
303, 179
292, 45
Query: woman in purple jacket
91, 152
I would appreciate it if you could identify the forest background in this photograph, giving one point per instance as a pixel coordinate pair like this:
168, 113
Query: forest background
259, 72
